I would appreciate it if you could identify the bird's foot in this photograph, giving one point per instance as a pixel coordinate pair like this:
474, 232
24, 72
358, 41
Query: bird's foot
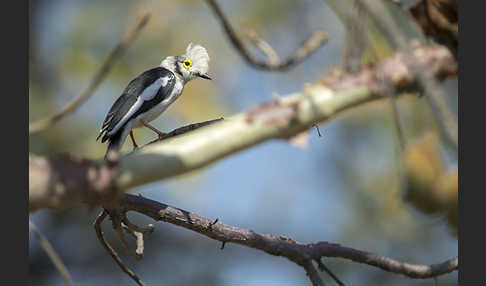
135, 146
161, 135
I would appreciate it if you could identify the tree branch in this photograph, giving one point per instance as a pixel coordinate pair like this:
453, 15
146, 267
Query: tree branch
316, 40
301, 254
98, 78
61, 183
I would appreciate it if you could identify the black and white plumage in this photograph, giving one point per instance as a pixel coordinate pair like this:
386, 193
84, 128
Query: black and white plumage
149, 94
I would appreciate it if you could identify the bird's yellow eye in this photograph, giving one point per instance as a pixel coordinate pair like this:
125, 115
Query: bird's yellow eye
187, 63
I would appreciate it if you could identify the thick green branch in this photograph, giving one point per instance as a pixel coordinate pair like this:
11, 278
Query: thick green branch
181, 154
54, 185
279, 120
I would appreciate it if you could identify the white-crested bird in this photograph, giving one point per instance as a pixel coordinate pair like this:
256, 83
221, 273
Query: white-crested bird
149, 94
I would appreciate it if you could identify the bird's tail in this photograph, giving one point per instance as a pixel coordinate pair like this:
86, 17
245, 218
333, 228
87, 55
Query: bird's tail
115, 142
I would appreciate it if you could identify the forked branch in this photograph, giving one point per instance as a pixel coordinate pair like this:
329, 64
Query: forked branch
309, 46
299, 253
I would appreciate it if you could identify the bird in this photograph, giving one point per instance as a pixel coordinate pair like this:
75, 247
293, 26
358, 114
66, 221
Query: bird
149, 94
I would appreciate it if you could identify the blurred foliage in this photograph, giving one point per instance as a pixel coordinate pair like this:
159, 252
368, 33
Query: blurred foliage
432, 187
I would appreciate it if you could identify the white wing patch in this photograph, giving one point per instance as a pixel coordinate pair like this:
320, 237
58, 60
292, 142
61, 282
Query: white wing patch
147, 94
130, 112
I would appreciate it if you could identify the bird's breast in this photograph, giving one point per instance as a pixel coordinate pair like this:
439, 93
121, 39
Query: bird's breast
155, 111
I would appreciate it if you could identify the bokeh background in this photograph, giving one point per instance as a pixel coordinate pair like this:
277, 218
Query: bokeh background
344, 187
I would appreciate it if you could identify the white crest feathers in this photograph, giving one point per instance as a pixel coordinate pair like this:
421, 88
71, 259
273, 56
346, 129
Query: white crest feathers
199, 57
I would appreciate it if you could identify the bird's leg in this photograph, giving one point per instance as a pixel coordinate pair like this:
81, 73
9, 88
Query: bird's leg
135, 146
159, 133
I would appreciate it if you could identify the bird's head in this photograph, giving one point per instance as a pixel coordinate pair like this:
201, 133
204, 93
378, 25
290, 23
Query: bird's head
194, 63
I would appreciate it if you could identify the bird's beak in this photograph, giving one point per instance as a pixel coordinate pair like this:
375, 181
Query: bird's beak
205, 76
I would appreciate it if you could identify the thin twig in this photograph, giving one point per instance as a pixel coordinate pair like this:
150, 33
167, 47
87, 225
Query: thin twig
316, 40
272, 56
116, 219
184, 129
318, 131
440, 109
355, 20
312, 273
140, 247
401, 145
98, 78
392, 93
51, 252
134, 227
118, 229
139, 237
323, 267
111, 251
396, 121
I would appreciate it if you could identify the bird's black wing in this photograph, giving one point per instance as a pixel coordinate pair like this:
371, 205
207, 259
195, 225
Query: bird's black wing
130, 96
